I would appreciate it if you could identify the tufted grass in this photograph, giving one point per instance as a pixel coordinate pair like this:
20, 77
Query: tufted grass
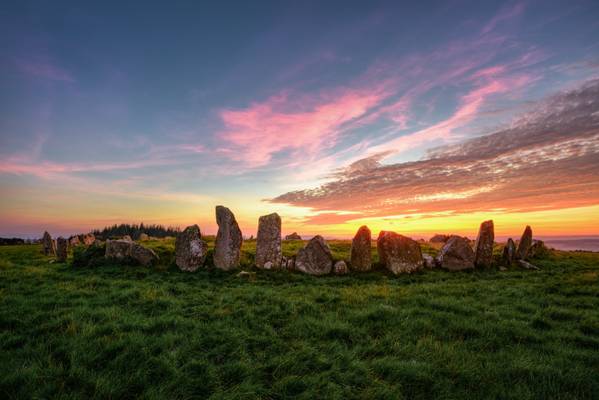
129, 332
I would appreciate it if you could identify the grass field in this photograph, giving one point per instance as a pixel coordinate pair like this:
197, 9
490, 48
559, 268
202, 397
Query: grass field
129, 332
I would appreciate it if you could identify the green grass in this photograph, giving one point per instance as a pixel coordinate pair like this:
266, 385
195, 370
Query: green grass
129, 332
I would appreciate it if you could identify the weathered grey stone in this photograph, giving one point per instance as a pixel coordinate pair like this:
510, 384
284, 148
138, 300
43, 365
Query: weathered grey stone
74, 241
538, 249
143, 237
483, 254
293, 236
143, 255
439, 238
456, 254
227, 249
399, 253
288, 263
48, 246
429, 261
315, 258
268, 243
340, 268
361, 258
509, 253
527, 265
62, 248
190, 249
88, 239
118, 249
127, 238
524, 244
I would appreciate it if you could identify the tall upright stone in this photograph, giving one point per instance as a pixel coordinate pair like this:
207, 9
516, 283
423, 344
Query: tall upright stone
483, 253
190, 249
399, 253
456, 254
62, 247
315, 258
361, 258
48, 247
268, 243
509, 253
525, 243
227, 249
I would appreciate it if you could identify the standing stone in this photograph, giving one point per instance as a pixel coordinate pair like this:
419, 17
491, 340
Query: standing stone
227, 249
118, 249
268, 244
361, 259
190, 249
62, 246
456, 254
509, 253
483, 255
399, 253
525, 243
48, 247
315, 258
429, 261
340, 268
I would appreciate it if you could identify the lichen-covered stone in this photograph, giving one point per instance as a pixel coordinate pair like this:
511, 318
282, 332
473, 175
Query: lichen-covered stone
315, 258
361, 258
268, 243
483, 253
398, 253
229, 239
190, 249
456, 254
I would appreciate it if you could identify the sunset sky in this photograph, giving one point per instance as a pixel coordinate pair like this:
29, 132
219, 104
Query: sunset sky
422, 117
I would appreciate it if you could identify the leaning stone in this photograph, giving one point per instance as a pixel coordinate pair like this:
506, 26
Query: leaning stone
118, 249
525, 243
227, 249
268, 244
293, 236
315, 258
456, 254
527, 265
48, 247
340, 268
509, 253
399, 253
143, 255
429, 261
361, 259
61, 249
483, 254
190, 249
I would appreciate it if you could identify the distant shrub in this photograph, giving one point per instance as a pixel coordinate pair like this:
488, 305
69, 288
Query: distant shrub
92, 256
134, 230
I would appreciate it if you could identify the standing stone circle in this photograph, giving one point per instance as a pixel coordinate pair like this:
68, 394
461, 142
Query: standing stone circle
483, 254
62, 247
315, 258
227, 249
525, 243
48, 247
509, 253
399, 253
268, 243
456, 254
190, 249
361, 258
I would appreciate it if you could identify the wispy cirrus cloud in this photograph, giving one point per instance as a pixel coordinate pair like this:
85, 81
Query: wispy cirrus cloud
548, 159
44, 68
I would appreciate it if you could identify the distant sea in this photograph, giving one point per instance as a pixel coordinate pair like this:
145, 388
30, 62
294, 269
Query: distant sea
587, 244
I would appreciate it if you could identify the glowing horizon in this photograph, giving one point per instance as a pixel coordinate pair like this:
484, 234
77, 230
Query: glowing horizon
388, 115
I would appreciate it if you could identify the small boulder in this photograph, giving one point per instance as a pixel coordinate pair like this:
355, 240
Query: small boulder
483, 254
361, 258
293, 236
74, 241
118, 249
268, 244
127, 238
315, 258
439, 238
229, 239
48, 247
525, 243
429, 261
340, 268
143, 255
190, 249
88, 239
62, 247
527, 265
509, 253
538, 249
399, 253
143, 237
456, 254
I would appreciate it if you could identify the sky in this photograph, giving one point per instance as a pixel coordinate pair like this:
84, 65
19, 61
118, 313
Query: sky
418, 117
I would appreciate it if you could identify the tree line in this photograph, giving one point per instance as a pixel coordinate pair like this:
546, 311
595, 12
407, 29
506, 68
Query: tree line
134, 230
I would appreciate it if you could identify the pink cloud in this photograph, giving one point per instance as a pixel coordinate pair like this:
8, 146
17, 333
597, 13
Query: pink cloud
280, 123
507, 13
44, 69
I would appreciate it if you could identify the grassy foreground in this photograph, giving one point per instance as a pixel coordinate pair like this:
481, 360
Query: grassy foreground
129, 332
